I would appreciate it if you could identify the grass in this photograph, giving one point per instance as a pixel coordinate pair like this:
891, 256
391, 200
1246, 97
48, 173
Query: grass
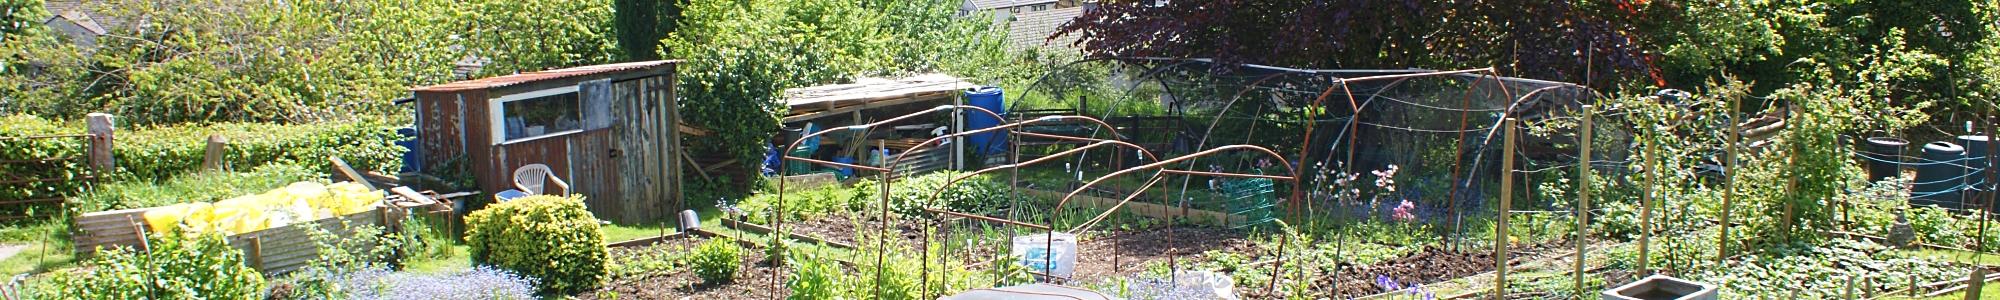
1956, 256
619, 233
1992, 289
47, 242
459, 260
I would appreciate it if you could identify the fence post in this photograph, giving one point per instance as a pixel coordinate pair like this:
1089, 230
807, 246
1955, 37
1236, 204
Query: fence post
1506, 204
212, 160
101, 127
1583, 198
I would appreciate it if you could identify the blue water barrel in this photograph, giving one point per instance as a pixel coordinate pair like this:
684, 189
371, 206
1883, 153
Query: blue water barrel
1938, 176
1977, 160
413, 157
990, 98
1885, 157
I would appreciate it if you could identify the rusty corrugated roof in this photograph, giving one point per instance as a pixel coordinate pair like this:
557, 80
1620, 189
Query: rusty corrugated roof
500, 81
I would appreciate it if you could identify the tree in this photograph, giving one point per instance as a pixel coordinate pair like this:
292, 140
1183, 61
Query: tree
1541, 39
641, 24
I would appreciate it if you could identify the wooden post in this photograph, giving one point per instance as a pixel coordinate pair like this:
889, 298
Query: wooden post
257, 253
1974, 283
1652, 173
1729, 178
1583, 198
1791, 192
101, 128
212, 160
1506, 204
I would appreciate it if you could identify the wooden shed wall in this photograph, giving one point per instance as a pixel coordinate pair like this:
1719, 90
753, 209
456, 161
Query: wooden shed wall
628, 172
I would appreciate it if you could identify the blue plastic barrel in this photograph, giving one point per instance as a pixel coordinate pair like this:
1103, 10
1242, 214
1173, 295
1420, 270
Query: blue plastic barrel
1977, 161
1885, 157
990, 98
1939, 175
413, 157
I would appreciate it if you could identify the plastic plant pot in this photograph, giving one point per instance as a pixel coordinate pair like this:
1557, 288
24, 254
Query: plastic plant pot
1661, 287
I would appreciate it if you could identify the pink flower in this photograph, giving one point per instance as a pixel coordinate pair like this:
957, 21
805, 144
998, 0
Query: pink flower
1402, 212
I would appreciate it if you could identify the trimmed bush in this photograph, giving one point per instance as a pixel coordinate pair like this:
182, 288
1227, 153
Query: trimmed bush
716, 261
147, 155
552, 239
201, 266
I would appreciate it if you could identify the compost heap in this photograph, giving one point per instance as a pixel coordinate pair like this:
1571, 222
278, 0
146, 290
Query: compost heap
295, 203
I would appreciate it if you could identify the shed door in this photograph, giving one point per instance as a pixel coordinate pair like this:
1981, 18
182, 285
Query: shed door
641, 137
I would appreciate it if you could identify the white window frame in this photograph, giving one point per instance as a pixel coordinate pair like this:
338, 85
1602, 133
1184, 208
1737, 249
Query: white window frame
497, 115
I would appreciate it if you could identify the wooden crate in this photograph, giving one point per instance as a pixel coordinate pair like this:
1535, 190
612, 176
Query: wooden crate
271, 251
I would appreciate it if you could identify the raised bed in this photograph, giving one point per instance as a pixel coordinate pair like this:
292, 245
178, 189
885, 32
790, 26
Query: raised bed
272, 251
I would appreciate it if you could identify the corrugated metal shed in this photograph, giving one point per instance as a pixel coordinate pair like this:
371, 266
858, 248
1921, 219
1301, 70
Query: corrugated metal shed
621, 156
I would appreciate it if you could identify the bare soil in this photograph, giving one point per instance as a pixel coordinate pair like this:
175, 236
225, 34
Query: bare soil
753, 281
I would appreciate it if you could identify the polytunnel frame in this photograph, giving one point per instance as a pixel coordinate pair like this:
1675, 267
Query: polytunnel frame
1460, 176
777, 229
1015, 170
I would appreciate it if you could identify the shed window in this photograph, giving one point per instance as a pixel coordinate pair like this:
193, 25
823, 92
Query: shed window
537, 114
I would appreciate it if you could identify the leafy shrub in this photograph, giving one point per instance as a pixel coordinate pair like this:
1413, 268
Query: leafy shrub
194, 187
553, 239
195, 266
816, 277
808, 203
716, 261
38, 149
912, 194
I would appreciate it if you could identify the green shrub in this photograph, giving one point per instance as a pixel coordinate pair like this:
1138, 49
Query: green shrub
195, 187
201, 266
911, 195
716, 261
817, 277
553, 239
37, 149
808, 203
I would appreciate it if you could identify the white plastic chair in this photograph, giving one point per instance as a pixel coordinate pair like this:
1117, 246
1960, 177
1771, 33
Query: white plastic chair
531, 179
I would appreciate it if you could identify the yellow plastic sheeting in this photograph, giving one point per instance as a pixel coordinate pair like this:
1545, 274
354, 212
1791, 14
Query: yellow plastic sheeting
295, 203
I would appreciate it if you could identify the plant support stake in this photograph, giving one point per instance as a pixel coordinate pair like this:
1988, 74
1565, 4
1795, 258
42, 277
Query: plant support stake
1506, 204
1729, 178
1583, 197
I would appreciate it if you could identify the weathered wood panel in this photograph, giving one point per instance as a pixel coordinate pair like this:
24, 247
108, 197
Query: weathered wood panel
440, 123
593, 174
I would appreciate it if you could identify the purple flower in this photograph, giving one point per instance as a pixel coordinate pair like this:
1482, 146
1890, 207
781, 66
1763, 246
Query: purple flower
1387, 284
478, 283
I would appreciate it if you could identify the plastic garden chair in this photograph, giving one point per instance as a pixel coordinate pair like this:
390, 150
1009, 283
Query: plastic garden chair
532, 178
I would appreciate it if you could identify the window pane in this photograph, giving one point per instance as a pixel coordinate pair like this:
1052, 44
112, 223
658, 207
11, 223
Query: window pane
541, 115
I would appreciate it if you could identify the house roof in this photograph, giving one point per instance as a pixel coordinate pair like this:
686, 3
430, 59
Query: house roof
1031, 29
62, 9
80, 19
993, 4
508, 80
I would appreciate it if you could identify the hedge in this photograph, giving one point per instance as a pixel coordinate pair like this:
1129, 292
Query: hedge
160, 153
